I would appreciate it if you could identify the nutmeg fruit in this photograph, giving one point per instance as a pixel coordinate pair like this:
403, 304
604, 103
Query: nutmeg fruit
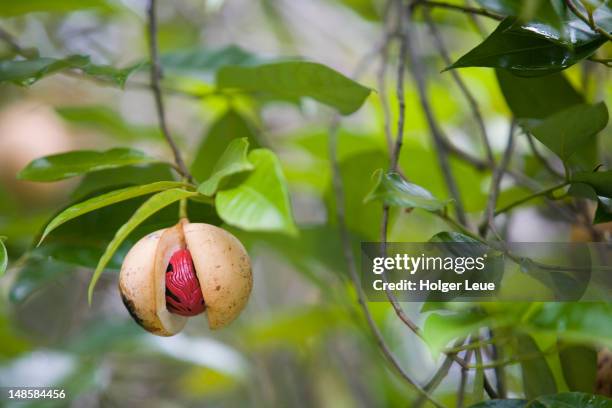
181, 271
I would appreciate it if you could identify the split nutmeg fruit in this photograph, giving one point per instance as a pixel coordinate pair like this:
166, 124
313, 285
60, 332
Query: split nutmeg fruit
182, 271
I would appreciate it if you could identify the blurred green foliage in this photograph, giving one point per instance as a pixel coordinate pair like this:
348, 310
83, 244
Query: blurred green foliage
303, 340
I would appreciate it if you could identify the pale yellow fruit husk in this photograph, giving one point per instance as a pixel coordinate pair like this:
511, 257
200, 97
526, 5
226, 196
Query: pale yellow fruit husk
223, 269
137, 285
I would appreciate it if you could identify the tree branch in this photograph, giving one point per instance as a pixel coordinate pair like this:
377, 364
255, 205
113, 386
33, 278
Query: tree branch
10, 40
394, 160
540, 157
457, 7
587, 20
498, 175
418, 73
543, 193
352, 267
156, 75
439, 42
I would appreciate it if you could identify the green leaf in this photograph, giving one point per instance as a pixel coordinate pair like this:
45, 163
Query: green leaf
538, 378
477, 393
259, 201
440, 329
601, 181
150, 207
537, 98
16, 8
3, 257
81, 241
572, 400
65, 165
569, 130
604, 211
296, 79
523, 52
118, 76
576, 322
106, 200
508, 403
234, 160
106, 120
35, 274
230, 126
452, 236
579, 364
391, 189
27, 72
204, 63
113, 179
550, 19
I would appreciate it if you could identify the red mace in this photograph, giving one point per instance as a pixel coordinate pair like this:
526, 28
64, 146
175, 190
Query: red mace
183, 293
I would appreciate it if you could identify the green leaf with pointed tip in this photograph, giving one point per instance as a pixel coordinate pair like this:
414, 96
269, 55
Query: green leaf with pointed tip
3, 257
579, 364
148, 208
108, 121
568, 131
572, 400
524, 52
552, 20
259, 200
234, 160
538, 378
537, 98
65, 165
17, 8
391, 189
27, 72
204, 63
229, 126
600, 181
296, 79
113, 179
105, 200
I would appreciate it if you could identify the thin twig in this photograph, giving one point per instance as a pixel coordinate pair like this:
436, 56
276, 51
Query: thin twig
472, 102
588, 20
156, 75
605, 61
380, 78
394, 160
418, 73
350, 260
460, 8
10, 40
463, 381
540, 157
498, 175
544, 193
475, 20
345, 238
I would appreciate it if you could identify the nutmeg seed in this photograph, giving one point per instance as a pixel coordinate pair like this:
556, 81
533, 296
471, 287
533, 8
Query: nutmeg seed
214, 277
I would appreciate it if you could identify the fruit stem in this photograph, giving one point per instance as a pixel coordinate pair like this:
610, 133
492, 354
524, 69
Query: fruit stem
183, 209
